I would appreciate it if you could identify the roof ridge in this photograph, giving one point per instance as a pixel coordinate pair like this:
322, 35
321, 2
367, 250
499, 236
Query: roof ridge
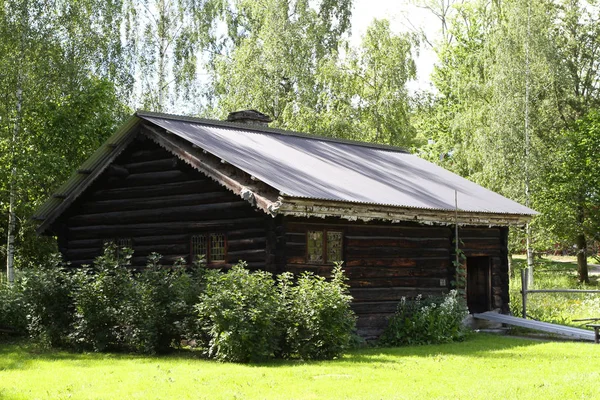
268, 130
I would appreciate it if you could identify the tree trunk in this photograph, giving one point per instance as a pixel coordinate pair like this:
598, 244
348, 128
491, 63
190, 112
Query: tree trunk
12, 215
582, 266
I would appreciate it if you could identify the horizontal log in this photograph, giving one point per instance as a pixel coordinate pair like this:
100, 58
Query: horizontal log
482, 245
161, 164
376, 307
245, 233
149, 154
379, 241
168, 239
88, 253
148, 178
149, 229
371, 262
377, 272
382, 252
162, 249
101, 206
391, 294
295, 238
478, 232
186, 187
414, 282
297, 269
244, 244
247, 255
85, 244
480, 252
196, 212
117, 171
355, 229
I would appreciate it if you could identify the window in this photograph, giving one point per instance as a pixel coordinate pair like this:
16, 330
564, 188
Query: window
120, 244
315, 247
324, 246
212, 245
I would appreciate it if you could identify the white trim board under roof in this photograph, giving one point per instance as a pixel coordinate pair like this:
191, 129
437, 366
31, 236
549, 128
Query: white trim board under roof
314, 176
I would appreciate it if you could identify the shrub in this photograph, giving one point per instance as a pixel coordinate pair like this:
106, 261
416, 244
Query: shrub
103, 297
427, 321
47, 301
163, 307
13, 318
316, 314
238, 313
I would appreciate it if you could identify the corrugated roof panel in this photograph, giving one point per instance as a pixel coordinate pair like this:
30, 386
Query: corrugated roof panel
340, 171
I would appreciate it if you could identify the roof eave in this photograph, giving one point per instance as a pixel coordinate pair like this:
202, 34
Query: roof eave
303, 207
200, 160
85, 175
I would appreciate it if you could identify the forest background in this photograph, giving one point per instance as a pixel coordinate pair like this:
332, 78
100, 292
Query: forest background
514, 100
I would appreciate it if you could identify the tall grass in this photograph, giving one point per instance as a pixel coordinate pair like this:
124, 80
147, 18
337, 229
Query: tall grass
560, 308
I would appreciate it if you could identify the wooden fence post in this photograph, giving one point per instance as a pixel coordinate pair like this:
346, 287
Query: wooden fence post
524, 287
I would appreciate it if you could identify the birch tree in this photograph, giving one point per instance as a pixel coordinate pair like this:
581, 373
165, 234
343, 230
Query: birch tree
53, 94
167, 39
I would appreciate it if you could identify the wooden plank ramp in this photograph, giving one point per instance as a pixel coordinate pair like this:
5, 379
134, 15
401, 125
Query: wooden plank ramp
574, 333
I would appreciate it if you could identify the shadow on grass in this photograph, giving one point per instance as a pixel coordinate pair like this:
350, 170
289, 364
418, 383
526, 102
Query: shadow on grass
23, 355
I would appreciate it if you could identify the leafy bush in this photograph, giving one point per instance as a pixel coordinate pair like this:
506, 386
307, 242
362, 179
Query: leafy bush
235, 316
426, 321
316, 314
163, 311
238, 312
104, 296
146, 312
13, 318
248, 317
47, 302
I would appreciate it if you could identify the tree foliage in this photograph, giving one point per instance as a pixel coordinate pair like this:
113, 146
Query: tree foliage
59, 100
497, 52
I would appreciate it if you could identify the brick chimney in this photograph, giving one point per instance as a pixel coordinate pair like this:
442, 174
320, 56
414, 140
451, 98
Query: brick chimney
252, 117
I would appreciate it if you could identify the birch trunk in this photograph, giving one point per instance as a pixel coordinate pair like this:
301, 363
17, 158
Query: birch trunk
12, 215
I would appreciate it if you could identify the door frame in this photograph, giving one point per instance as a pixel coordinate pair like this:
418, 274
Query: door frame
488, 280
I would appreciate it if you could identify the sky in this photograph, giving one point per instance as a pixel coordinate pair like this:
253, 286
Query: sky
401, 14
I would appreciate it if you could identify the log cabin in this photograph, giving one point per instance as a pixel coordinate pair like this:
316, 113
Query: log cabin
286, 201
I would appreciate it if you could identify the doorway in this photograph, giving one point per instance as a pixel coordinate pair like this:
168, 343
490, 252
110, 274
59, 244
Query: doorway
478, 284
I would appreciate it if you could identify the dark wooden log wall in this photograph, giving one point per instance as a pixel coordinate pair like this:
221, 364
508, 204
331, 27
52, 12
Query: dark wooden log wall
385, 262
159, 202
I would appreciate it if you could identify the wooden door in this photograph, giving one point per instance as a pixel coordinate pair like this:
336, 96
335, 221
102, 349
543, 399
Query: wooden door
478, 284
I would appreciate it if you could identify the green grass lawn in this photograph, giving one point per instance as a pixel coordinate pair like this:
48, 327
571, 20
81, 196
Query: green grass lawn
483, 367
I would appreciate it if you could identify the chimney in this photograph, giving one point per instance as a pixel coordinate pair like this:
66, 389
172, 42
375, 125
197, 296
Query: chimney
252, 117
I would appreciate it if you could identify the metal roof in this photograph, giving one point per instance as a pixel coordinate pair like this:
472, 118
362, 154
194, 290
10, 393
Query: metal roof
304, 166
301, 166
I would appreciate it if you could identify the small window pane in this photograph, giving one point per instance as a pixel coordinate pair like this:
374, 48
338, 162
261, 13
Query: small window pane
217, 247
199, 247
124, 242
334, 246
315, 246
